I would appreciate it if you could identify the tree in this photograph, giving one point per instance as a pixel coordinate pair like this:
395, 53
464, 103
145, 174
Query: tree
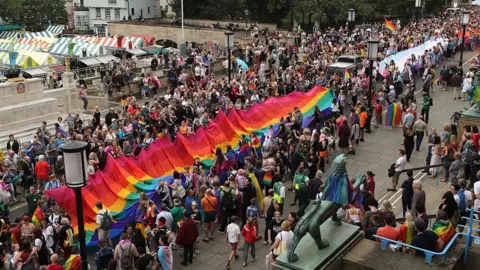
38, 14
34, 15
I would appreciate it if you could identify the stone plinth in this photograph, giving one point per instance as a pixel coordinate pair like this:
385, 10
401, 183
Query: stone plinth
340, 238
469, 117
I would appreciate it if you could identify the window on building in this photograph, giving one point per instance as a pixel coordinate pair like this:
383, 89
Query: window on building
133, 12
101, 30
107, 14
117, 14
112, 2
148, 10
98, 13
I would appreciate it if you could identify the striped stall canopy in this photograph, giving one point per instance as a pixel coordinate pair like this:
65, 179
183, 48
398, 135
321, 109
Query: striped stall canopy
38, 34
25, 47
47, 39
25, 40
9, 34
4, 58
55, 28
107, 42
64, 40
137, 42
42, 44
62, 49
41, 58
88, 39
92, 49
5, 46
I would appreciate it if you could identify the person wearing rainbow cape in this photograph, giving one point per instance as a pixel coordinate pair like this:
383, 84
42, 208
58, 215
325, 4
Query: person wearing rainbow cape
394, 115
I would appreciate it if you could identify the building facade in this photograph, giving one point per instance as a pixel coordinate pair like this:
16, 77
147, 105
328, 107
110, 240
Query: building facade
95, 14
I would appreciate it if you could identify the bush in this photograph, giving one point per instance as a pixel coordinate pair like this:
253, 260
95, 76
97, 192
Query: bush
171, 14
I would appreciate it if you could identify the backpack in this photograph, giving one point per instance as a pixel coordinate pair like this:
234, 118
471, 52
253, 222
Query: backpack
126, 261
227, 201
391, 170
462, 206
107, 222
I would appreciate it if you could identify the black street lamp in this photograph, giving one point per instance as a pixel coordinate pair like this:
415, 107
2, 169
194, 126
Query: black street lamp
229, 45
351, 18
418, 6
76, 177
246, 21
372, 56
465, 19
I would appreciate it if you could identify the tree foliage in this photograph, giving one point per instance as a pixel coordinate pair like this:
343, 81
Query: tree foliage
333, 12
34, 15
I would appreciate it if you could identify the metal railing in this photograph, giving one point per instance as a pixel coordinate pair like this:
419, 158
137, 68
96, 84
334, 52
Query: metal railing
384, 242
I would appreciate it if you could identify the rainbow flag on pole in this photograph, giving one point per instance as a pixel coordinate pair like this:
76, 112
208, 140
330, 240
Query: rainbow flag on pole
37, 217
347, 75
390, 26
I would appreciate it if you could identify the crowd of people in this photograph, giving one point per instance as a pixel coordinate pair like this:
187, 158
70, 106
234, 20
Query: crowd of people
249, 183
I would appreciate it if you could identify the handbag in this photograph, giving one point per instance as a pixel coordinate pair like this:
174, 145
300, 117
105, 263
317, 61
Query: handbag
282, 247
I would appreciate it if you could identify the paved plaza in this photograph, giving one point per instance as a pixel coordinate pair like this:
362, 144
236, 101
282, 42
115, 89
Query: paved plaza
376, 154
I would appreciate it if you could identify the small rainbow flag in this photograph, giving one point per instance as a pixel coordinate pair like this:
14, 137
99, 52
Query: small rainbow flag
15, 235
37, 217
444, 230
347, 75
267, 178
63, 133
7, 258
394, 115
74, 262
390, 26
257, 146
145, 229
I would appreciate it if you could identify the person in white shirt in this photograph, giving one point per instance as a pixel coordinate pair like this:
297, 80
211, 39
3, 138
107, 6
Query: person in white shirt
476, 191
232, 237
102, 234
283, 239
167, 215
197, 73
399, 167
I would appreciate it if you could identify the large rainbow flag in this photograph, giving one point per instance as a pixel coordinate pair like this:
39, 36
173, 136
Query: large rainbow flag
119, 184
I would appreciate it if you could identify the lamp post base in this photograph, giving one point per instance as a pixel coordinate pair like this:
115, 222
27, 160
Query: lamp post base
368, 122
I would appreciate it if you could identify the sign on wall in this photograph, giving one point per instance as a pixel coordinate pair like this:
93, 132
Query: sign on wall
20, 88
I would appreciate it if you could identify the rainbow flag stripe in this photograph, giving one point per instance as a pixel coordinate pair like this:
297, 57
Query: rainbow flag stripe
390, 26
123, 178
444, 230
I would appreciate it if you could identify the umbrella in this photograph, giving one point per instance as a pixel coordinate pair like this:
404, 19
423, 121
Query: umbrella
241, 63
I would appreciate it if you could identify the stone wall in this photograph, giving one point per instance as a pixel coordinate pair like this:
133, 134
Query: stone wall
208, 23
199, 35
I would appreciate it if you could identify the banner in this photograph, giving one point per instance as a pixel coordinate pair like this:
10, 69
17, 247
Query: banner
119, 184
401, 58
71, 46
13, 58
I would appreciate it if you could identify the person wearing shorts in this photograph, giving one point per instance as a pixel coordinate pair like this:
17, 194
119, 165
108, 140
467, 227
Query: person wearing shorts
209, 204
102, 234
399, 167
233, 238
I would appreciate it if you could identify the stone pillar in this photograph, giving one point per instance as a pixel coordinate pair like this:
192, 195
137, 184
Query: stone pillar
67, 79
69, 84
295, 24
317, 23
